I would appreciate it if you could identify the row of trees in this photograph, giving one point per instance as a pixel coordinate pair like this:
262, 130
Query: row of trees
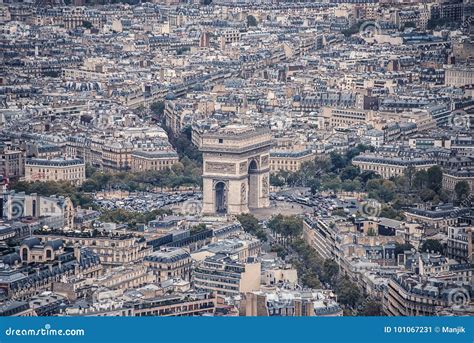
183, 173
131, 218
323, 173
251, 225
59, 188
182, 142
419, 186
313, 270
429, 245
338, 174
286, 228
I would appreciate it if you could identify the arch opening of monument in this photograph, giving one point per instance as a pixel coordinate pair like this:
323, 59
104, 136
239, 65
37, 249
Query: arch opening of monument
253, 185
221, 199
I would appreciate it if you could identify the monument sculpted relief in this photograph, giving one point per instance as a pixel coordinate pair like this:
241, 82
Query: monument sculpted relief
220, 167
243, 167
265, 184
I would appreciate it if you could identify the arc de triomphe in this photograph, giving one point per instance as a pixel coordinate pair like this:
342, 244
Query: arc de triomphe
236, 165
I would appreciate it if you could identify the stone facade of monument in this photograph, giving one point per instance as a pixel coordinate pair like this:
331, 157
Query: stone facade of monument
236, 165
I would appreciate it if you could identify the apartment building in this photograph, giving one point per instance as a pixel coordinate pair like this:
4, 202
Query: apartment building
346, 117
289, 160
169, 263
440, 217
452, 177
459, 76
12, 163
409, 295
388, 167
116, 155
113, 249
223, 276
290, 303
71, 170
176, 305
143, 160
55, 212
125, 277
36, 277
460, 243
320, 235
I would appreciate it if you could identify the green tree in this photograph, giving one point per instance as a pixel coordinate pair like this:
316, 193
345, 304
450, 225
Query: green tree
290, 227
432, 245
251, 21
400, 248
90, 170
349, 173
251, 225
331, 182
435, 178
462, 190
368, 175
276, 181
198, 228
314, 185
322, 163
158, 109
87, 24
390, 212
427, 194
347, 292
382, 190
420, 180
311, 280
59, 188
351, 185
353, 29
330, 271
338, 161
131, 218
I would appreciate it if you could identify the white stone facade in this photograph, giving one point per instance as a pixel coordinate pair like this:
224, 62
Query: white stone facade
235, 169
